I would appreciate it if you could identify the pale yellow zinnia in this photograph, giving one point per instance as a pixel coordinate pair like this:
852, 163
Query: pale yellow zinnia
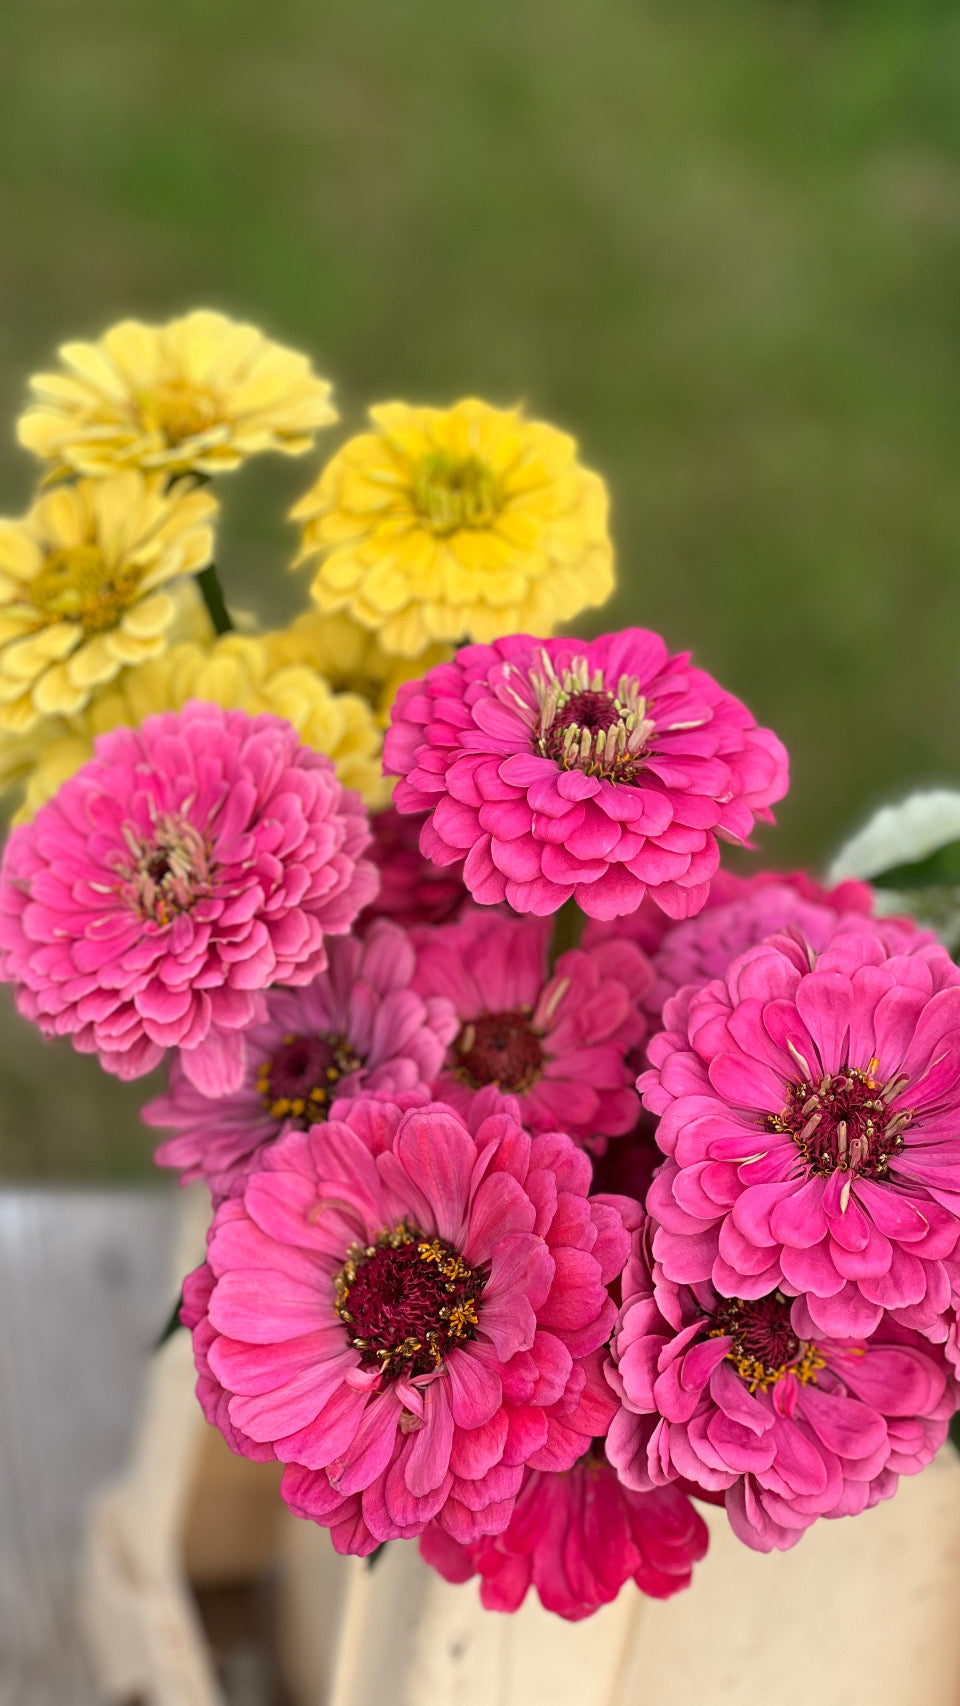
349, 656
202, 393
470, 522
85, 587
236, 671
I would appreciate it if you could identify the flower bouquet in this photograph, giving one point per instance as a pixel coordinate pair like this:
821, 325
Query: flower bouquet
562, 1183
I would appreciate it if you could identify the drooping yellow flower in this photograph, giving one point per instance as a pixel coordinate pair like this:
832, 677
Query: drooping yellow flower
449, 524
200, 393
236, 671
349, 656
85, 587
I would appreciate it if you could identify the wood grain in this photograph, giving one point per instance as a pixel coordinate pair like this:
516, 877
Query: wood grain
83, 1282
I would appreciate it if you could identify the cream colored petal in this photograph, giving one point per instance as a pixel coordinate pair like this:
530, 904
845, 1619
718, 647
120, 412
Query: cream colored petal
20, 554
92, 364
148, 618
136, 353
56, 695
26, 658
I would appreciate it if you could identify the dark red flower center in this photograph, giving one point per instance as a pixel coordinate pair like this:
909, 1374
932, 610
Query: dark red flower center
299, 1082
498, 1048
843, 1123
586, 724
764, 1346
406, 1300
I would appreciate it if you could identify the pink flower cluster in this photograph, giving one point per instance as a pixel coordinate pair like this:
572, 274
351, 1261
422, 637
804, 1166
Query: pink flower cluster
461, 1281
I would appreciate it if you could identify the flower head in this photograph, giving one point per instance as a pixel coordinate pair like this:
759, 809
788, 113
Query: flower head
85, 588
200, 393
731, 1394
601, 770
576, 1538
810, 1107
407, 1314
464, 522
357, 1029
189, 865
699, 949
237, 671
567, 1045
412, 890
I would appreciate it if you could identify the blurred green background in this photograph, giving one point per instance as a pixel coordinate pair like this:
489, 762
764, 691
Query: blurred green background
720, 242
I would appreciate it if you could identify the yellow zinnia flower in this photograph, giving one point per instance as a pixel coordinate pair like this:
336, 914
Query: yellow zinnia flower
448, 524
201, 393
236, 671
349, 656
84, 587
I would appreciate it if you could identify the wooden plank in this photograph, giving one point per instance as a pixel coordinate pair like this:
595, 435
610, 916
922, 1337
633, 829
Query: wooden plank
83, 1284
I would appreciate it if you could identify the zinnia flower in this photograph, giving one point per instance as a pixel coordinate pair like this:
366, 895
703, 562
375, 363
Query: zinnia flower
358, 1028
576, 1538
412, 890
810, 1105
467, 522
349, 656
600, 770
731, 1395
200, 393
188, 866
566, 1044
699, 949
408, 1314
236, 671
84, 588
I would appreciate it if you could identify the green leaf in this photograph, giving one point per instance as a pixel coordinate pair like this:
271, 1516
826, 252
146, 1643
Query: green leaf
939, 870
171, 1326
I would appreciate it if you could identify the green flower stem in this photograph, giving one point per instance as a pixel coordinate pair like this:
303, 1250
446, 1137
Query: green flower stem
213, 599
567, 930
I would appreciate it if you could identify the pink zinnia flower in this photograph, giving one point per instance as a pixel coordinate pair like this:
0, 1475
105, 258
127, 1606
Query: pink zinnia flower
358, 1028
701, 948
576, 1538
190, 864
407, 1314
412, 890
566, 1044
767, 898
810, 1106
729, 1394
598, 769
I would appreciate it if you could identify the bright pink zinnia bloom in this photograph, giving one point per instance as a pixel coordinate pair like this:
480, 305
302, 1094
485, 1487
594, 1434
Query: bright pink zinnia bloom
566, 1044
810, 1108
357, 1029
699, 949
407, 1314
576, 1538
749, 908
598, 769
189, 865
729, 1394
412, 890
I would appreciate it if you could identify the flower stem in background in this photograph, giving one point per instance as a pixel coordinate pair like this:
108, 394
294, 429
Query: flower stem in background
213, 598
374, 1557
171, 1325
567, 930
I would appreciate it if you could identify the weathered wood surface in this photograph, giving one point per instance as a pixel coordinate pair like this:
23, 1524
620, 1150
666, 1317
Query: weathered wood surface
83, 1284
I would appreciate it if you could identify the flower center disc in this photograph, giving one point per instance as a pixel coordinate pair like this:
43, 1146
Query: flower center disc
765, 1348
178, 410
78, 585
298, 1082
844, 1123
454, 492
407, 1300
498, 1048
584, 725
171, 871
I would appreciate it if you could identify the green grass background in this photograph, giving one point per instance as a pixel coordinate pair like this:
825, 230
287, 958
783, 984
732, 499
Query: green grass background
718, 241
